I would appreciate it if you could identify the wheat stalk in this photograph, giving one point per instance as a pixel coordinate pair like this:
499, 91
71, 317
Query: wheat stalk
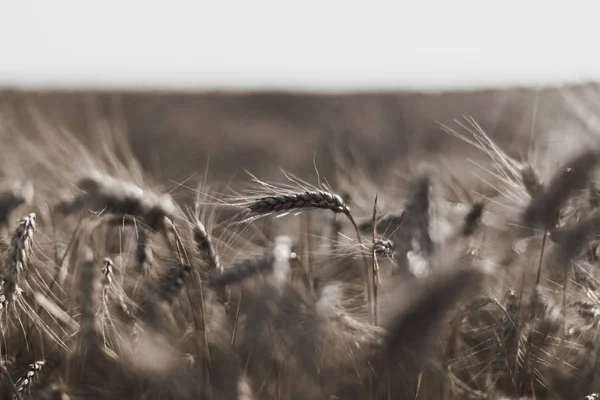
89, 298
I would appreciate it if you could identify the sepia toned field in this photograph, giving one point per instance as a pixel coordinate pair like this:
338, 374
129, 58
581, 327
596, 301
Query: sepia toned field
300, 246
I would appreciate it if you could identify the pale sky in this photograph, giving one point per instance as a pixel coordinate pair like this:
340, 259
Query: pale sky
303, 44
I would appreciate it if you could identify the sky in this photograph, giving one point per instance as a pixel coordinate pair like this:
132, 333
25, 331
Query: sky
313, 45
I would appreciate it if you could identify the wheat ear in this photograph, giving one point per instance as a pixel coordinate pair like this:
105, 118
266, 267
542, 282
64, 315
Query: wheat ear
104, 193
545, 206
295, 201
244, 269
29, 376
531, 181
18, 257
205, 247
472, 219
143, 252
317, 199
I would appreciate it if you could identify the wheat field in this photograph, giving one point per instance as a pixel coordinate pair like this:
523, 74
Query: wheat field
286, 246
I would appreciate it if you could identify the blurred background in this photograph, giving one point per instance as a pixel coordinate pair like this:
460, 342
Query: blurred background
266, 84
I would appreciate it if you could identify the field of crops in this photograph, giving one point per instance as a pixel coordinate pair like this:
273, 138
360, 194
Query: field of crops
296, 246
